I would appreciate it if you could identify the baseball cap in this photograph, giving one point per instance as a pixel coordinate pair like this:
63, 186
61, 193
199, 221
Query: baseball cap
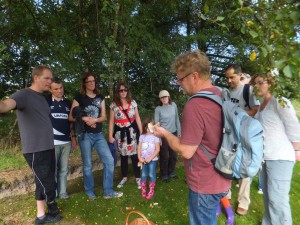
163, 93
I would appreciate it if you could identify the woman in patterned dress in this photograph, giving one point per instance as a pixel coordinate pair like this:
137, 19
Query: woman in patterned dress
125, 127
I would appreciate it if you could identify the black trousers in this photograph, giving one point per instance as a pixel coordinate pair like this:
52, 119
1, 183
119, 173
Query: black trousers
134, 162
42, 165
168, 159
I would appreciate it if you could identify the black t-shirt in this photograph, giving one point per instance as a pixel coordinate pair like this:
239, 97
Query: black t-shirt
92, 108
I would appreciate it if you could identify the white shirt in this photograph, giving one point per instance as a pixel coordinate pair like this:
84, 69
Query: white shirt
236, 96
281, 127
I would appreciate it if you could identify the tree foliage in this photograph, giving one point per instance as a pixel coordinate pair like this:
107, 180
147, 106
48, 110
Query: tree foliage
136, 41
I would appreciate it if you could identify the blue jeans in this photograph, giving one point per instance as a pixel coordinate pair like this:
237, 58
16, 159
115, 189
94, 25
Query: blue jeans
62, 153
259, 186
276, 184
203, 207
87, 142
149, 169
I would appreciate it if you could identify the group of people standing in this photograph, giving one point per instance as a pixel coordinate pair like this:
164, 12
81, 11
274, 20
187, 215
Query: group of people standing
202, 120
136, 140
80, 122
51, 127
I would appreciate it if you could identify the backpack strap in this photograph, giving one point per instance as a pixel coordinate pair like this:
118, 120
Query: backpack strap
218, 100
211, 158
246, 91
208, 95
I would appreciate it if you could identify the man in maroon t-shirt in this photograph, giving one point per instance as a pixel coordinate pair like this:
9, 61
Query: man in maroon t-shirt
201, 123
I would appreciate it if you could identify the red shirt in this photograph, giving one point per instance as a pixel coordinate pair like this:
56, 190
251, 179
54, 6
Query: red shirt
202, 123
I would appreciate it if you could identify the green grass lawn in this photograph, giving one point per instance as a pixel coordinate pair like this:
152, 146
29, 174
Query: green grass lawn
169, 205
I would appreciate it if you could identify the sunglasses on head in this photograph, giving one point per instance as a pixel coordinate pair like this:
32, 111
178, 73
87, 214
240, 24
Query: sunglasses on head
122, 90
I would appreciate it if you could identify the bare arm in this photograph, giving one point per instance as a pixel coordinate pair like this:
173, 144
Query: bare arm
7, 104
138, 120
187, 151
73, 137
155, 153
139, 152
296, 145
90, 121
111, 126
74, 104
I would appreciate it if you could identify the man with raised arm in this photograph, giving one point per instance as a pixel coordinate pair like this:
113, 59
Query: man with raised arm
37, 140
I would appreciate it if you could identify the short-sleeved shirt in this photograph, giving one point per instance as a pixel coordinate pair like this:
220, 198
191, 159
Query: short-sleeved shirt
92, 108
121, 122
202, 123
148, 145
34, 122
59, 116
237, 97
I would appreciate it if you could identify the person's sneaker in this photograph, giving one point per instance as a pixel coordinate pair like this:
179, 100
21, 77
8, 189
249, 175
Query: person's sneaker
165, 179
122, 183
92, 197
173, 176
260, 191
47, 219
64, 197
138, 183
115, 194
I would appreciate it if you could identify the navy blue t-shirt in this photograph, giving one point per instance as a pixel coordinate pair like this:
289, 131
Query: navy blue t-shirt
59, 116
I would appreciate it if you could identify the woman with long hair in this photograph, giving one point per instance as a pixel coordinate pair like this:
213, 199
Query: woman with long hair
125, 127
92, 105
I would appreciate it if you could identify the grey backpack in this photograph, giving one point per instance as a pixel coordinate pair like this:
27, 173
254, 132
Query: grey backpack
241, 152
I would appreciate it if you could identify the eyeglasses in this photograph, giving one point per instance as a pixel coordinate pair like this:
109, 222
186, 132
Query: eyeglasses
261, 82
122, 90
182, 78
90, 81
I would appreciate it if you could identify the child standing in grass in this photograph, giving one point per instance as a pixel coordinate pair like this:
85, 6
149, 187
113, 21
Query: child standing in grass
148, 149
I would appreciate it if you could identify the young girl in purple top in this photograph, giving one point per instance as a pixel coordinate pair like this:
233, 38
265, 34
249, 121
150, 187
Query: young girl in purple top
148, 149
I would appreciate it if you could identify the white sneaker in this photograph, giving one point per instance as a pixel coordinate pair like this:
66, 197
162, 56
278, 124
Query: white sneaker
115, 194
260, 191
122, 183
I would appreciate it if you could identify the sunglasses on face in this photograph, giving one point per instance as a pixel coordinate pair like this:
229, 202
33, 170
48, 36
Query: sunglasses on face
122, 90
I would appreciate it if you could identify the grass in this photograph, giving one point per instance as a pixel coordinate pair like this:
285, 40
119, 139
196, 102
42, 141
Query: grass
11, 158
169, 205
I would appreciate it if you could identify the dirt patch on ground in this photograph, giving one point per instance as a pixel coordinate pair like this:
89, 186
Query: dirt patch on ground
18, 182
21, 182
18, 219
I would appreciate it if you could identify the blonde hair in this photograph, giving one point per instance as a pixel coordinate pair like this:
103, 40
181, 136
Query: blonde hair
192, 61
38, 71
